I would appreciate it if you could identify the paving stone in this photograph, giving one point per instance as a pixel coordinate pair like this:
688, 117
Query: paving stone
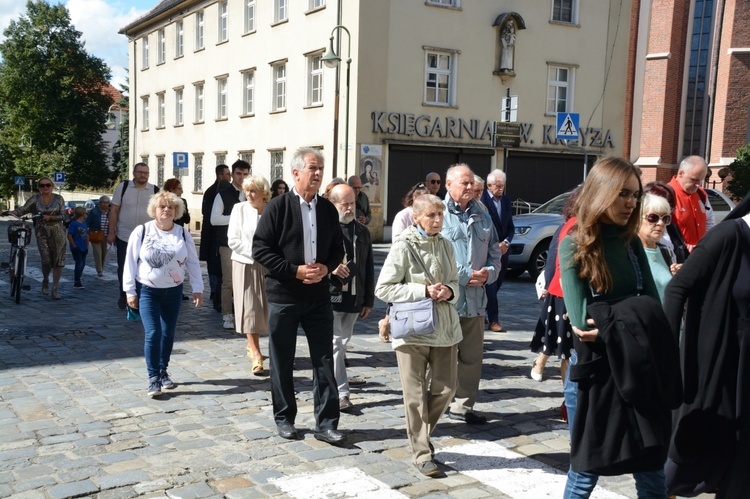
194, 491
74, 489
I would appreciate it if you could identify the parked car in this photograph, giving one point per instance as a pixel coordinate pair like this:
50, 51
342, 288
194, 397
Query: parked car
534, 231
71, 205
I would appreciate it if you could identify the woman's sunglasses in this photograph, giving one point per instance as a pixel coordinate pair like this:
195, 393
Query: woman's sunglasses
653, 218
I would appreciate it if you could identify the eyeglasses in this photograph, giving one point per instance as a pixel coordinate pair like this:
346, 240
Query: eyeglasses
45, 185
653, 218
144, 173
636, 195
434, 181
421, 185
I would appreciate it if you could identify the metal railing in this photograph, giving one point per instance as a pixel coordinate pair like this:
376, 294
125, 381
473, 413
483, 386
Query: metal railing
521, 206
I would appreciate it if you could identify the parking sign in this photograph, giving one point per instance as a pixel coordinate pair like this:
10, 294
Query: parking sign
59, 177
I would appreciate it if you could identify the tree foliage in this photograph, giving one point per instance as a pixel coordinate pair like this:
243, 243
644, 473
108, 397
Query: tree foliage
739, 185
51, 97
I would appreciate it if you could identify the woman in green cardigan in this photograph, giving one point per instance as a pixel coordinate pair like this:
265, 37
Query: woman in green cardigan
602, 259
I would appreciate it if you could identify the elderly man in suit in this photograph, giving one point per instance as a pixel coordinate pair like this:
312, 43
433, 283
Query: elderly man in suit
498, 204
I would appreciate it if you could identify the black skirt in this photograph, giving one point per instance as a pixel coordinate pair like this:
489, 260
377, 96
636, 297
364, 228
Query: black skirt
553, 334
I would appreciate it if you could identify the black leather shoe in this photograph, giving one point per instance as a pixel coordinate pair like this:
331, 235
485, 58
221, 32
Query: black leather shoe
468, 418
287, 431
333, 437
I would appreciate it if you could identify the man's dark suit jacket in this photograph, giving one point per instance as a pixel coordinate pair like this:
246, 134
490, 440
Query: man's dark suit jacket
278, 245
503, 223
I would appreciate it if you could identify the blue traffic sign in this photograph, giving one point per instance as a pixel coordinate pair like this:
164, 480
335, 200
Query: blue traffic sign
567, 126
58, 177
19, 180
180, 159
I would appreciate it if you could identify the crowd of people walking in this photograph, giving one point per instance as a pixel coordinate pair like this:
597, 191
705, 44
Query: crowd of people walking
645, 302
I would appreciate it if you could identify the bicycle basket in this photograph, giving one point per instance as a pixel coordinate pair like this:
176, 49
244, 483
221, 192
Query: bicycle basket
13, 230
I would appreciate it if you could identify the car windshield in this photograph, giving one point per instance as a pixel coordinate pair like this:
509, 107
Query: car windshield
554, 205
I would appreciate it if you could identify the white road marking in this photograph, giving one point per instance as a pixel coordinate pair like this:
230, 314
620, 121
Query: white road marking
518, 476
348, 482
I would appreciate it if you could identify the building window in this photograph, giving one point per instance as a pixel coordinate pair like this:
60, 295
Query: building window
221, 98
439, 78
223, 12
145, 51
565, 11
161, 50
560, 80
317, 4
315, 79
199, 30
178, 106
199, 103
696, 103
198, 177
279, 87
221, 158
444, 3
161, 111
280, 10
277, 164
179, 38
144, 159
160, 170
248, 92
247, 156
249, 16
144, 116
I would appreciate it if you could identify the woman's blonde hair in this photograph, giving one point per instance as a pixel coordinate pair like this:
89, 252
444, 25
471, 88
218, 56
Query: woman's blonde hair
259, 184
425, 202
172, 200
651, 203
602, 187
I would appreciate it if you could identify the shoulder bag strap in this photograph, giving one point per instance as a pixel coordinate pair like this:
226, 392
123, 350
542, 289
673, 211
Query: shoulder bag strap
428, 275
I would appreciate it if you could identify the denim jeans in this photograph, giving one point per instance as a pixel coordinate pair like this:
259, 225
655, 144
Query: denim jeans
159, 308
580, 484
80, 258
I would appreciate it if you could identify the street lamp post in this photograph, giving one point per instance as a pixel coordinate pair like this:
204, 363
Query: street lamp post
332, 59
111, 124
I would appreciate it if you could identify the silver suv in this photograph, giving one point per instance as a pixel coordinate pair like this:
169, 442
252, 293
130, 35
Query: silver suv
528, 251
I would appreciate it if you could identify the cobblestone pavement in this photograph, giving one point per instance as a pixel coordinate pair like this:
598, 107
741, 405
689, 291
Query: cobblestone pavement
75, 420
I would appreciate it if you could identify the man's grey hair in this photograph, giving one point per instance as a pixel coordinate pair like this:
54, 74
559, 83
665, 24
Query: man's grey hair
496, 176
298, 158
478, 180
104, 199
451, 174
690, 162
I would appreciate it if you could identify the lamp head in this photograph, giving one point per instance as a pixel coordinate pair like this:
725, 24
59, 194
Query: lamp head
23, 145
331, 59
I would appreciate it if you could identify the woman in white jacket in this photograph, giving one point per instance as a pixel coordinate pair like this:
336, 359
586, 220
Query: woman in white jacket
403, 280
248, 276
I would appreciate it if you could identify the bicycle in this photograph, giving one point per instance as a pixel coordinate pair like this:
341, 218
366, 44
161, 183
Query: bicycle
19, 237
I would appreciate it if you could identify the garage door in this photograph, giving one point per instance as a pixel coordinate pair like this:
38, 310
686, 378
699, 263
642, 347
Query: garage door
536, 177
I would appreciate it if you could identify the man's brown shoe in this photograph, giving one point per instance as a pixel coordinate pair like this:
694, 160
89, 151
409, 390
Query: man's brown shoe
495, 326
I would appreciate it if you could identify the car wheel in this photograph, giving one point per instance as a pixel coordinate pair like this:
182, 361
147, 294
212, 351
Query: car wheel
538, 259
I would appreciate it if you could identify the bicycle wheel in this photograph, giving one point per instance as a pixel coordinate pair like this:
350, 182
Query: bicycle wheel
20, 263
12, 272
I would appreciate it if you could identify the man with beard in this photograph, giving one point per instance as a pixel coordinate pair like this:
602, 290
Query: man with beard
352, 282
209, 248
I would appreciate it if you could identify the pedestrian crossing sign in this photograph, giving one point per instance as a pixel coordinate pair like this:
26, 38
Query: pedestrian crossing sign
567, 126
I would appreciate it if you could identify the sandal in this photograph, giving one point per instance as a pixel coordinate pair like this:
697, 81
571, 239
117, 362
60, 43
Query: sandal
258, 367
535, 375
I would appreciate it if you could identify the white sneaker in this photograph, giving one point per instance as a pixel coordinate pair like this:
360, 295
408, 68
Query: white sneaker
229, 321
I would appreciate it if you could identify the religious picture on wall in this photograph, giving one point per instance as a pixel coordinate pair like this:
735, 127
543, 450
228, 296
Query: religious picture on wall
370, 167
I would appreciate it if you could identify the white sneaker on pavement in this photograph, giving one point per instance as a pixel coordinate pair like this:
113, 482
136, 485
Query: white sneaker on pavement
228, 321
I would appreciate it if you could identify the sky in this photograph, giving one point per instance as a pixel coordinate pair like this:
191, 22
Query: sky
99, 21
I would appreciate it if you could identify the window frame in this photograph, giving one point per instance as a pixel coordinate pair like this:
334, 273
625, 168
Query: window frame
315, 5
249, 16
248, 92
314, 74
279, 90
556, 84
179, 106
222, 97
280, 11
161, 110
198, 172
179, 39
452, 4
223, 27
200, 25
144, 52
200, 102
559, 5
145, 113
451, 73
161, 48
276, 164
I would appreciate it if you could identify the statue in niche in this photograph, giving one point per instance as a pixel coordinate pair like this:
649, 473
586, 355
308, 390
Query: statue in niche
508, 39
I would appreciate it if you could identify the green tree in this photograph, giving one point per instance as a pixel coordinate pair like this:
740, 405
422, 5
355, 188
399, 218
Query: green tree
51, 99
739, 185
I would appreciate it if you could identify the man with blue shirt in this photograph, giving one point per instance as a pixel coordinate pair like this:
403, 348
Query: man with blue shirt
469, 227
